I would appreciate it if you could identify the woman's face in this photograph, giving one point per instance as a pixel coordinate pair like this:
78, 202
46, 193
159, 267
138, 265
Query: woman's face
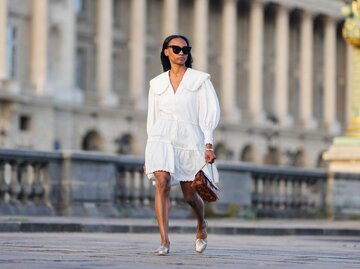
176, 59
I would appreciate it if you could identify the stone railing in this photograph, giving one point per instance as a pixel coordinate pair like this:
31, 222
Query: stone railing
24, 182
274, 191
91, 184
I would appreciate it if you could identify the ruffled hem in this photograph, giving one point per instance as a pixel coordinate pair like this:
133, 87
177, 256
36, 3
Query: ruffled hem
182, 164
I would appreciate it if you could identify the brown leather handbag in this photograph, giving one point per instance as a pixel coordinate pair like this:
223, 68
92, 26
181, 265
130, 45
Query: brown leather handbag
205, 187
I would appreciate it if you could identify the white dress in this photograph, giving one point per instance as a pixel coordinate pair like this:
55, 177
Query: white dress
180, 124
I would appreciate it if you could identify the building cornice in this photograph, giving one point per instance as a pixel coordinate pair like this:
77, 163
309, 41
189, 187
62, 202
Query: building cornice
323, 7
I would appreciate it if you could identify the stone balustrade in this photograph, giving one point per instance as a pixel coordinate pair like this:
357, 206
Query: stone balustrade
72, 183
24, 186
288, 192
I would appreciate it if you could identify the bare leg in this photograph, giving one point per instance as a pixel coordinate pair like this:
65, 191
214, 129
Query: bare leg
197, 204
162, 205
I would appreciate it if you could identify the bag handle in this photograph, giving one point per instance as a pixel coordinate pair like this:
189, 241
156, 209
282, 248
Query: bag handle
212, 172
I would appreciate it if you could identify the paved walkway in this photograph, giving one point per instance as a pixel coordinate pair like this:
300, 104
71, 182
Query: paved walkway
130, 250
55, 242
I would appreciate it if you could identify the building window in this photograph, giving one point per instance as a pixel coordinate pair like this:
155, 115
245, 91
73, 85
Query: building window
11, 53
81, 68
24, 123
115, 9
80, 6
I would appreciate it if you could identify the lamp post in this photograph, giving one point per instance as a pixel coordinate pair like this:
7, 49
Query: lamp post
343, 156
340, 148
351, 34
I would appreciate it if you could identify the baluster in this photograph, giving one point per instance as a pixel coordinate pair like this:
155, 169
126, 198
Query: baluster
254, 191
274, 195
136, 188
129, 187
173, 195
147, 190
293, 194
282, 193
38, 184
274, 192
142, 187
4, 187
45, 183
277, 192
120, 185
321, 192
267, 189
315, 191
152, 192
297, 193
289, 193
38, 190
260, 192
271, 185
25, 181
304, 194
315, 201
178, 196
15, 187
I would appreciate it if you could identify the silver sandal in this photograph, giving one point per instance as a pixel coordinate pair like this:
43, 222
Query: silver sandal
200, 245
162, 251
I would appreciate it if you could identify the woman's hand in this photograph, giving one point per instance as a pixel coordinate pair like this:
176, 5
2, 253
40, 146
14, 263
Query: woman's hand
209, 156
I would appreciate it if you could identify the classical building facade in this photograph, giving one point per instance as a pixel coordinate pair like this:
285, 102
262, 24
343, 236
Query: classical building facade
74, 73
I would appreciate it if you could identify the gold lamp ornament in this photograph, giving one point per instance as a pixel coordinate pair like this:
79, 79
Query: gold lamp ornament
351, 29
351, 34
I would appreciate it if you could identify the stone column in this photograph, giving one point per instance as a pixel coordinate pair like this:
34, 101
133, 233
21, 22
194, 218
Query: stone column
170, 17
68, 53
282, 66
256, 62
330, 75
201, 33
306, 71
137, 51
104, 51
228, 78
39, 40
3, 23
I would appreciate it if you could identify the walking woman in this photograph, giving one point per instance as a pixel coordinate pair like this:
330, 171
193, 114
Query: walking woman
183, 111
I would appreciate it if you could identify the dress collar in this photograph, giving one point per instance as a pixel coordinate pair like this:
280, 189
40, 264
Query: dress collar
191, 81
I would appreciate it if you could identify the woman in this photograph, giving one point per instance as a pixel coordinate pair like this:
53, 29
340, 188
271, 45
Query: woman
183, 111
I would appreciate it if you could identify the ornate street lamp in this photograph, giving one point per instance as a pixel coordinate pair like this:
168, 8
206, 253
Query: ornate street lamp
351, 34
344, 155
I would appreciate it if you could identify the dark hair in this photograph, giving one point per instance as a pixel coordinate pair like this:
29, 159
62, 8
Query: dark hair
165, 59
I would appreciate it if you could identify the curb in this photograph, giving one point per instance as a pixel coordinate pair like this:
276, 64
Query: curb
36, 227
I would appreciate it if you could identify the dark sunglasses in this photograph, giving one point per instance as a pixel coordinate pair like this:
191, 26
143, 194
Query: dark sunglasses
177, 49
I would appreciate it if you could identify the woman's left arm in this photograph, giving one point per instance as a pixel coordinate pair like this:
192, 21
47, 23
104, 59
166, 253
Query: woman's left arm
209, 116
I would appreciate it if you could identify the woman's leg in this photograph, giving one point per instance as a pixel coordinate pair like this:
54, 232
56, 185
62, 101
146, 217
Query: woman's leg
162, 204
197, 204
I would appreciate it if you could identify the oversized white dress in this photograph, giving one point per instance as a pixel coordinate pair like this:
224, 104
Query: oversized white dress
180, 124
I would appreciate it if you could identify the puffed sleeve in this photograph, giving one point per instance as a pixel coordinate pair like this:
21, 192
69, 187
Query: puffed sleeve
209, 110
153, 109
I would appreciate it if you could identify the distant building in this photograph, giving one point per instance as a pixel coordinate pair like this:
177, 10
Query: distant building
74, 73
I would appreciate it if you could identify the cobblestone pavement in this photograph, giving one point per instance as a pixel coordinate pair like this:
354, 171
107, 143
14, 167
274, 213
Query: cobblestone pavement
134, 250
